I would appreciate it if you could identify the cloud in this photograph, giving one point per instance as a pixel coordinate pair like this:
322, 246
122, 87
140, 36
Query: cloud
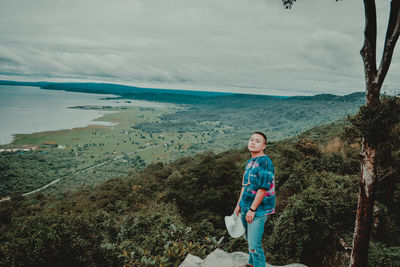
236, 45
330, 50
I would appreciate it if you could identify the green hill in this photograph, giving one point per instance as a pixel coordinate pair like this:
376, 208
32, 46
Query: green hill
185, 125
159, 215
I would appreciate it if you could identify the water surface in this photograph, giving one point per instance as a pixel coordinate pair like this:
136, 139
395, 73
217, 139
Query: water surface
25, 110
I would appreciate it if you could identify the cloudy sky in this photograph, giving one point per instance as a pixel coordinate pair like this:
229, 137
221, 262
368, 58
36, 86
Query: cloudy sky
251, 46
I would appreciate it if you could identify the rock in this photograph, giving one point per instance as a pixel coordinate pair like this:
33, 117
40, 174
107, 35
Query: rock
191, 261
217, 258
221, 258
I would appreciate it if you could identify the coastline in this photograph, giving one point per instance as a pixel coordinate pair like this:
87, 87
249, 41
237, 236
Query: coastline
22, 116
8, 139
13, 144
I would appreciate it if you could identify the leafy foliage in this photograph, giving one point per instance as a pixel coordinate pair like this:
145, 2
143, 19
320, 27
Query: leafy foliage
55, 240
375, 123
381, 255
43, 168
207, 186
159, 215
313, 218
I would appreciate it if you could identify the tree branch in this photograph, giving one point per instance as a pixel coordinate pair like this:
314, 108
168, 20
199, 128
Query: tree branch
368, 51
392, 35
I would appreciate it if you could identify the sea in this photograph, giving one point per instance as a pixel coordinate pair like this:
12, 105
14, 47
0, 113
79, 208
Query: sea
26, 109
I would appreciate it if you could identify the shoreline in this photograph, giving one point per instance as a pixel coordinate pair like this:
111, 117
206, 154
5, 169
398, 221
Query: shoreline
92, 107
32, 148
91, 124
16, 136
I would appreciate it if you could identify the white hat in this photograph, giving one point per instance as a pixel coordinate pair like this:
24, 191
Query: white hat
234, 225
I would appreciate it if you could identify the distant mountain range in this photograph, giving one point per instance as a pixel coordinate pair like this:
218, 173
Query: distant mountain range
109, 88
177, 96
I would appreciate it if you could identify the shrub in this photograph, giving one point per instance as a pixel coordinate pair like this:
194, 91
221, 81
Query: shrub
312, 219
381, 255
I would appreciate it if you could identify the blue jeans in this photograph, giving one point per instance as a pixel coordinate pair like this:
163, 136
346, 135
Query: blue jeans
253, 234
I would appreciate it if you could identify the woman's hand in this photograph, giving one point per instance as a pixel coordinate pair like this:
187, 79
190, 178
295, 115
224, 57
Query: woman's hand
237, 210
250, 216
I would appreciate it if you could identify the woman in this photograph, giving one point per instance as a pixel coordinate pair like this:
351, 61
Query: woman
257, 197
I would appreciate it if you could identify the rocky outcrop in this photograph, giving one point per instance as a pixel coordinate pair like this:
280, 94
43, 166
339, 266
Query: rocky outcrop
221, 258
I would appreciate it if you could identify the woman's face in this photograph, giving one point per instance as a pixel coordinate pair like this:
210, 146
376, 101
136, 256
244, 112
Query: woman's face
256, 143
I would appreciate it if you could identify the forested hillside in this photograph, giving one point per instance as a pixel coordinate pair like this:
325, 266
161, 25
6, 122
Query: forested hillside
187, 123
159, 215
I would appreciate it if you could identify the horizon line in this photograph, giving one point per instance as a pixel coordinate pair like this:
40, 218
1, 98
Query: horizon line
40, 84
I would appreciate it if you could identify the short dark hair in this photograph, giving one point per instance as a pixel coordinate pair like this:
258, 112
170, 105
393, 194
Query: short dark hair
263, 135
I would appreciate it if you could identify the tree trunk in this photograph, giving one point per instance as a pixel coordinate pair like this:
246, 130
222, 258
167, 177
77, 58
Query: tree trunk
373, 79
365, 207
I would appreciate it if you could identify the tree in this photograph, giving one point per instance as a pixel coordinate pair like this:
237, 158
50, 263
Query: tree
373, 79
